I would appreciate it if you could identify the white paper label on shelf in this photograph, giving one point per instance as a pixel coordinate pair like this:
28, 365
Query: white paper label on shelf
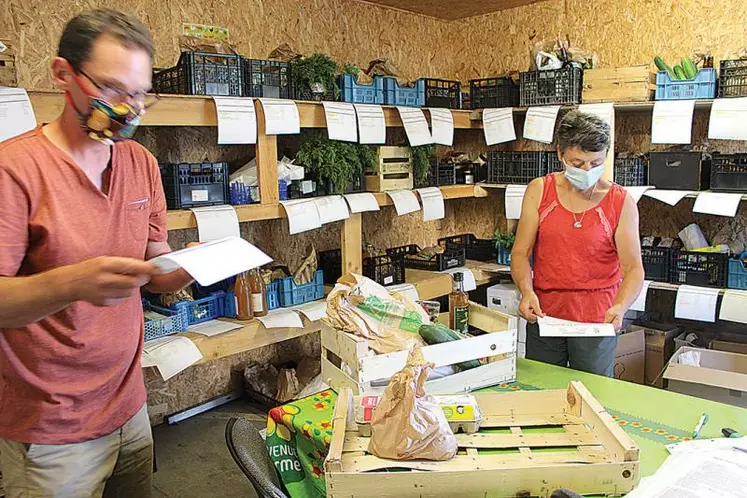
170, 355
341, 123
498, 125
555, 327
282, 318
734, 306
216, 222
468, 278
717, 203
303, 215
696, 303
360, 203
371, 123
728, 119
237, 121
442, 126
331, 208
416, 126
604, 111
514, 200
672, 122
637, 192
213, 327
281, 117
16, 113
540, 123
640, 302
404, 201
433, 203
671, 197
314, 311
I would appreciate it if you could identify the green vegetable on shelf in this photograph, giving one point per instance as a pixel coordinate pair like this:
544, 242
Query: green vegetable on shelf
663, 66
438, 334
689, 67
679, 73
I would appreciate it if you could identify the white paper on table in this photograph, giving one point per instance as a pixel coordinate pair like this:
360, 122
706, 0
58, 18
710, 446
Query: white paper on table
416, 126
213, 327
704, 445
213, 261
171, 354
16, 112
728, 119
540, 123
442, 126
498, 125
362, 202
514, 200
672, 122
281, 117
468, 278
696, 303
282, 318
671, 197
371, 123
404, 201
640, 302
555, 327
331, 208
433, 203
303, 215
637, 192
314, 311
341, 123
734, 306
216, 222
237, 120
146, 361
717, 203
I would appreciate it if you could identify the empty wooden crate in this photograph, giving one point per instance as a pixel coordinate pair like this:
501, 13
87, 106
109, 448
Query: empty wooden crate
393, 170
619, 84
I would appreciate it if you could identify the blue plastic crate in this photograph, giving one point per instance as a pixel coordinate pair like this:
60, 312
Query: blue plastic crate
292, 294
283, 190
503, 255
173, 323
703, 86
272, 295
357, 93
409, 97
737, 274
202, 310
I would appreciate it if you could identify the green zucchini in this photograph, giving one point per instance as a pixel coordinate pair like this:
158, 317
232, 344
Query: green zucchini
679, 73
691, 70
663, 66
438, 334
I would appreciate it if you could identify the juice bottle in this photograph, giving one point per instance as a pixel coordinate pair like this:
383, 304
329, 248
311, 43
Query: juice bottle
258, 293
243, 296
458, 305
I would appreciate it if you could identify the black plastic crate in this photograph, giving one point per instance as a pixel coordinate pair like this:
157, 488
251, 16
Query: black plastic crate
476, 249
268, 79
493, 92
630, 171
552, 163
303, 92
443, 93
198, 73
450, 258
729, 172
515, 167
679, 170
702, 269
384, 269
198, 184
732, 80
551, 87
656, 262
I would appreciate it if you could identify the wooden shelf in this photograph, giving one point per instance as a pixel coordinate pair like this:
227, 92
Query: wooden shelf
693, 195
431, 285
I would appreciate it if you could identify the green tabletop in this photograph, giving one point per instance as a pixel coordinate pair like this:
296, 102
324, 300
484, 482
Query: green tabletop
298, 433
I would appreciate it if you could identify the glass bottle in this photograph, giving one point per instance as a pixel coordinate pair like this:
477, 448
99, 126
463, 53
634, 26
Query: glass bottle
258, 293
243, 296
458, 305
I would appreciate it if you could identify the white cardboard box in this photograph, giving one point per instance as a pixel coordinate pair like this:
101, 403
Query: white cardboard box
506, 298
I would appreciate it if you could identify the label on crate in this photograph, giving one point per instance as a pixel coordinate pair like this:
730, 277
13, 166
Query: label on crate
461, 319
199, 196
388, 280
307, 186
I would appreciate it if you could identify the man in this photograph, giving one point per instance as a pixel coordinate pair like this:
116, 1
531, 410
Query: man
82, 209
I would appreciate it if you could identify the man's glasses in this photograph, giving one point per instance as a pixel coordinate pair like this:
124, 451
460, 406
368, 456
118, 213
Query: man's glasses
117, 95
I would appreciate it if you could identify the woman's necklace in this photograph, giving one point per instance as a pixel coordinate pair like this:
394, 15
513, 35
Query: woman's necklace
579, 223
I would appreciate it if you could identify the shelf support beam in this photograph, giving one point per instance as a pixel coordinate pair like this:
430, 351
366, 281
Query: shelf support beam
267, 160
351, 241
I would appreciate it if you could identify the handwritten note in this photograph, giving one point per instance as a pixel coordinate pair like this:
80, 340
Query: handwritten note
331, 208
498, 125
514, 200
415, 125
433, 203
728, 119
671, 197
555, 327
404, 201
696, 303
360, 203
442, 126
237, 121
734, 306
281, 117
341, 123
16, 113
637, 192
216, 222
720, 204
303, 215
672, 122
540, 123
281, 318
371, 124
640, 303
171, 355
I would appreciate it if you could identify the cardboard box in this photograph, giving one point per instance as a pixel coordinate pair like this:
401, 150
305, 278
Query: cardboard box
619, 84
734, 347
715, 375
659, 348
630, 356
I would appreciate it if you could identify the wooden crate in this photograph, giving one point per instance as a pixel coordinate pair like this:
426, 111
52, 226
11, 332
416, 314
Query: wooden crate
366, 371
8, 70
587, 451
619, 84
393, 170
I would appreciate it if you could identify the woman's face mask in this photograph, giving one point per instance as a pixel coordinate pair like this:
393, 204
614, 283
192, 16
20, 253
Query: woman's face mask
582, 179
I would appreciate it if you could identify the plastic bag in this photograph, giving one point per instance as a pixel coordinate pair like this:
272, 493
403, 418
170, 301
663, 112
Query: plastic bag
409, 424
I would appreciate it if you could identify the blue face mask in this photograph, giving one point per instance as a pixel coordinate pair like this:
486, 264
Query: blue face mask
582, 179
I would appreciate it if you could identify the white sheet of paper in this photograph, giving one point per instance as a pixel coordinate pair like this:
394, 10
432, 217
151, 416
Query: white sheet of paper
408, 290
728, 119
371, 124
314, 311
303, 215
637, 192
171, 354
237, 120
216, 222
702, 445
360, 203
540, 123
404, 201
671, 197
514, 199
331, 208
416, 126
734, 306
214, 261
281, 318
433, 203
442, 126
468, 278
717, 203
281, 117
696, 303
341, 123
213, 327
640, 302
16, 112
146, 361
672, 122
604, 111
555, 327
498, 125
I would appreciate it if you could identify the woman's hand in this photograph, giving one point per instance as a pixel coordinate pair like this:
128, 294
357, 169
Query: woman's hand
529, 308
614, 315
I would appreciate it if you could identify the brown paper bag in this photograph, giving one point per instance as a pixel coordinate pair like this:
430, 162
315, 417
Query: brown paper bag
408, 424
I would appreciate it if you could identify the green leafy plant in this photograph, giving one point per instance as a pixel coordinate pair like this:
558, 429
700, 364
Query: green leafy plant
504, 240
335, 162
317, 68
351, 69
422, 156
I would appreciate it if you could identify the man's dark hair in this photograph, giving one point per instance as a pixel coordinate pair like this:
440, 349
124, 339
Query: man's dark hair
586, 131
84, 29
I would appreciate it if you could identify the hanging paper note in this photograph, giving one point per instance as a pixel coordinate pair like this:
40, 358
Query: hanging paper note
362, 202
281, 117
433, 203
404, 201
696, 303
637, 192
415, 125
303, 215
604, 111
442, 126
734, 306
341, 124
717, 203
331, 208
498, 125
671, 197
540, 123
371, 124
640, 303
672, 122
514, 200
728, 119
237, 121
16, 113
216, 222
468, 278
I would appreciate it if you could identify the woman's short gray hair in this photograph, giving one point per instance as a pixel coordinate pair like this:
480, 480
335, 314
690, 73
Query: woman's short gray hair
586, 131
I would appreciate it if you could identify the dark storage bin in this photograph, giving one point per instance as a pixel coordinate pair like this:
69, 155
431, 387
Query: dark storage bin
702, 269
552, 163
656, 262
441, 173
443, 93
476, 249
193, 185
493, 92
450, 258
303, 92
515, 167
630, 171
729, 173
679, 170
199, 73
732, 80
267, 79
384, 270
552, 87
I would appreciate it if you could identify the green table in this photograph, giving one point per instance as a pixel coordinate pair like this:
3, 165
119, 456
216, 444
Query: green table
298, 433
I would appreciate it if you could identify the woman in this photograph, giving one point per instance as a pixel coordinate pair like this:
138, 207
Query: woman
583, 233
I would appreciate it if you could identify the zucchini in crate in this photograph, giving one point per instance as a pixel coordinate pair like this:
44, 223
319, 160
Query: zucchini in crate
689, 67
679, 73
663, 66
438, 333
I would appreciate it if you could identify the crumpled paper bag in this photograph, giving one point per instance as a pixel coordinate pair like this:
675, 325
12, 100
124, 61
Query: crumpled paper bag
409, 424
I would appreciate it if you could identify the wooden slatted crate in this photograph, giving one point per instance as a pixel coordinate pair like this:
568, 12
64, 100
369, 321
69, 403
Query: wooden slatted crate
530, 442
393, 170
619, 84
